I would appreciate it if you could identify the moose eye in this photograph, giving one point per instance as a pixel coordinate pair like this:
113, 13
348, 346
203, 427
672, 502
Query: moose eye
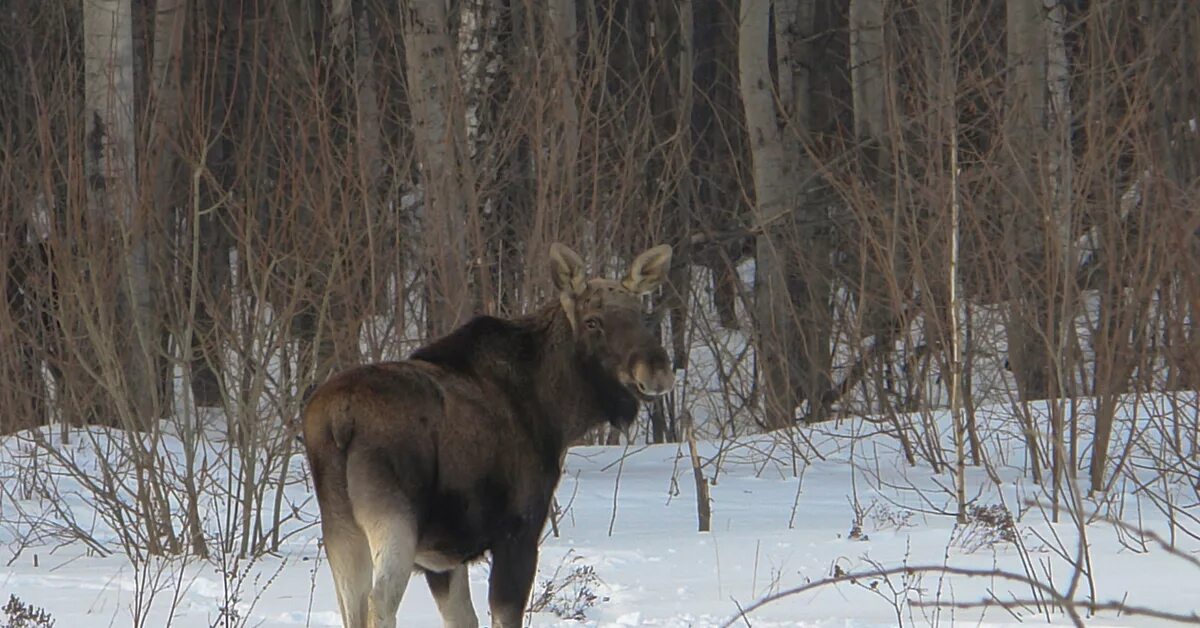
592, 323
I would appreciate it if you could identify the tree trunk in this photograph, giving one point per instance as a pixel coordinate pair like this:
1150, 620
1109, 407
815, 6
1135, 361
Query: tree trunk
703, 499
719, 204
166, 96
439, 131
212, 266
884, 283
1039, 244
673, 37
563, 25
1059, 170
867, 70
124, 336
509, 51
369, 141
169, 182
790, 291
1025, 132
774, 198
112, 200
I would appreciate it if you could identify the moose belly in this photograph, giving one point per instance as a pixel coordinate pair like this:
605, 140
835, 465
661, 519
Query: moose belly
444, 545
433, 560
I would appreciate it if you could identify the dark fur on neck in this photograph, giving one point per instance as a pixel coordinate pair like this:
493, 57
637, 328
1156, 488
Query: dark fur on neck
615, 403
528, 354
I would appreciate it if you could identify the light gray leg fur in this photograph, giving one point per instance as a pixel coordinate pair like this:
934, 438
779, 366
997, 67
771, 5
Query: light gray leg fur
452, 592
385, 518
393, 542
350, 561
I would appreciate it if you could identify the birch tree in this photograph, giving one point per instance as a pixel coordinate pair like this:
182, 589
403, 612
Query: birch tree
110, 165
1060, 233
440, 137
125, 361
789, 295
1039, 247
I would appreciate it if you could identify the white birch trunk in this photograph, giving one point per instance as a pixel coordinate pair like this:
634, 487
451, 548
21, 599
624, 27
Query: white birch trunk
128, 345
776, 199
108, 94
439, 131
112, 191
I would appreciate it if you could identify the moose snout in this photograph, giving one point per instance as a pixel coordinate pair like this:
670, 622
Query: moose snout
652, 373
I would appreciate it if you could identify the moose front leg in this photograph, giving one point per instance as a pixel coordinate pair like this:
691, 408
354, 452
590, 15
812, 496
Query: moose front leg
514, 563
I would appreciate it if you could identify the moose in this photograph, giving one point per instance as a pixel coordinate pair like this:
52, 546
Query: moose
428, 463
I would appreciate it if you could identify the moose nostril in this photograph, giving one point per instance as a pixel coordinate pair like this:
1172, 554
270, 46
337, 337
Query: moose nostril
653, 382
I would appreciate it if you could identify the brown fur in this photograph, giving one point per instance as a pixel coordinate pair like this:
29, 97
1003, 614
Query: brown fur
432, 461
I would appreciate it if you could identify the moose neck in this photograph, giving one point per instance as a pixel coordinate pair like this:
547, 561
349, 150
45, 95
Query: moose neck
573, 390
559, 394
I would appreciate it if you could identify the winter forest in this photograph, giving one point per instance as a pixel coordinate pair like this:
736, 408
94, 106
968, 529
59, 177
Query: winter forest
936, 267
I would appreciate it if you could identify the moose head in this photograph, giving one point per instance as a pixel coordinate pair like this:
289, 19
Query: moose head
611, 326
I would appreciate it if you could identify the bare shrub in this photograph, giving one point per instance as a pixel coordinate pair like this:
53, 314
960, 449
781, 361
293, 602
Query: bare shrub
18, 614
986, 527
570, 591
887, 517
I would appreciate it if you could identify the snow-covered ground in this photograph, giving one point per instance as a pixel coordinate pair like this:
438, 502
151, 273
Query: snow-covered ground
628, 551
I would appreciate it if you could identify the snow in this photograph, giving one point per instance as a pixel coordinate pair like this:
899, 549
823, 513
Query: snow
778, 522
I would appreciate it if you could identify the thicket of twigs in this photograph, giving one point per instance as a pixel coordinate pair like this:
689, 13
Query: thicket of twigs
878, 208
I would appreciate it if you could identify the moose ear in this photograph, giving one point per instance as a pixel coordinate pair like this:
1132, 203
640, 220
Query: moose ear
649, 270
566, 267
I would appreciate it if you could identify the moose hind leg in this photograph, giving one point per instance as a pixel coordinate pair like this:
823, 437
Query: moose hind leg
350, 561
393, 541
386, 519
452, 592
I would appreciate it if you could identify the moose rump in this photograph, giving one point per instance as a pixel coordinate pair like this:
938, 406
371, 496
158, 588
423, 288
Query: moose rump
427, 463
